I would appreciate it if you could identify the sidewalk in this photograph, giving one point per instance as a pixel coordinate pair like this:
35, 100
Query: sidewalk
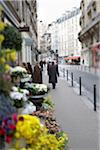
75, 118
91, 70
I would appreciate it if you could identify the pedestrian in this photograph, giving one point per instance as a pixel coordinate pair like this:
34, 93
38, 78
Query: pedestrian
37, 74
41, 64
30, 70
53, 72
24, 65
48, 65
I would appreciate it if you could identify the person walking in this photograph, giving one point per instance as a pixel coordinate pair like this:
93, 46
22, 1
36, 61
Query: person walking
30, 70
37, 74
53, 72
41, 64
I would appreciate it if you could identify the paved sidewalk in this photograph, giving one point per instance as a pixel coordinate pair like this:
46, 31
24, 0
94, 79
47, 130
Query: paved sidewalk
91, 70
80, 122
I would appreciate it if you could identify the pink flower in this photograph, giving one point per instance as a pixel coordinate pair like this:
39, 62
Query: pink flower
14, 117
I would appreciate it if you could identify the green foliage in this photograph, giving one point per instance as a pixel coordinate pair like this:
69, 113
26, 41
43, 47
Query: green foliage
5, 85
47, 103
12, 39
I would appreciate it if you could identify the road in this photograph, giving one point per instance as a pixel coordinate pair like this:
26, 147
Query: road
88, 80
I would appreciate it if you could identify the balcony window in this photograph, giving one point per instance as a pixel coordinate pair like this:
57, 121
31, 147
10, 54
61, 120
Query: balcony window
90, 14
94, 6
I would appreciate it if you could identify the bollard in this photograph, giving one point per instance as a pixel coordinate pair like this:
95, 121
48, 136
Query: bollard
94, 89
67, 74
72, 78
64, 72
80, 86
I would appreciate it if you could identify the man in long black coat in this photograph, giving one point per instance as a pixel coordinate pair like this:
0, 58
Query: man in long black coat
53, 72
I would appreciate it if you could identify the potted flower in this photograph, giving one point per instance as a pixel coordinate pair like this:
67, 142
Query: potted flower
36, 89
26, 132
19, 96
37, 93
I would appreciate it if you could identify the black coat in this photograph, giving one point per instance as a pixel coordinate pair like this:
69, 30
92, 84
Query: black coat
53, 72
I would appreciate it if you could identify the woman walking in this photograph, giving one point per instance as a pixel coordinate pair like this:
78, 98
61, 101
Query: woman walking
53, 72
37, 74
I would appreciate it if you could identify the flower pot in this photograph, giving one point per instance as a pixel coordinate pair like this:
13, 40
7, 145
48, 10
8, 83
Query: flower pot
37, 100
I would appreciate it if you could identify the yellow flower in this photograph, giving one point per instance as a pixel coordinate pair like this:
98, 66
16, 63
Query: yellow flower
13, 56
7, 67
17, 135
2, 25
2, 60
23, 148
1, 38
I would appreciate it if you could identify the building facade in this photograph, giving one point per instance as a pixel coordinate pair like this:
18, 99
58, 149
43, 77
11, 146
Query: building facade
90, 32
23, 16
68, 27
43, 40
64, 36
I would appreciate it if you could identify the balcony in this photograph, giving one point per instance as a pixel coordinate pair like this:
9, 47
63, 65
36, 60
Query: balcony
90, 5
11, 12
90, 25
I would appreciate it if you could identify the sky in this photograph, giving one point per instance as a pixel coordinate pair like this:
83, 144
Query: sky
50, 10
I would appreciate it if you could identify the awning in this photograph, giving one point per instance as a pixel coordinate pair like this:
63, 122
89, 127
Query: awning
72, 58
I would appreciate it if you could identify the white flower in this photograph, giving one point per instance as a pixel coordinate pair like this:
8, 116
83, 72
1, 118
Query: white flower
24, 91
15, 89
29, 108
38, 87
19, 69
16, 95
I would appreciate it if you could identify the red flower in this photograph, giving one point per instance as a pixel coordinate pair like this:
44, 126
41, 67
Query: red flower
9, 139
12, 126
2, 131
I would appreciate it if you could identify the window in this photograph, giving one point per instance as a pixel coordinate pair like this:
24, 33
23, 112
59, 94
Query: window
94, 6
89, 14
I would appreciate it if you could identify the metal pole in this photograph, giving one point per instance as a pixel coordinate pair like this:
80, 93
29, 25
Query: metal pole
94, 88
80, 86
72, 78
64, 72
67, 74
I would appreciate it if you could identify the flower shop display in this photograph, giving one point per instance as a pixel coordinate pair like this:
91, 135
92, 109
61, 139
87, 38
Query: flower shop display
28, 108
19, 96
18, 71
47, 103
27, 132
49, 120
35, 126
26, 78
6, 59
7, 129
36, 89
37, 93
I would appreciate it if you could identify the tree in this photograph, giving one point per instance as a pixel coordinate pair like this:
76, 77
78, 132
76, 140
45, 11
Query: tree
12, 39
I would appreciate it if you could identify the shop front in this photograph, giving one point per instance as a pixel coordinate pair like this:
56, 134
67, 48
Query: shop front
96, 55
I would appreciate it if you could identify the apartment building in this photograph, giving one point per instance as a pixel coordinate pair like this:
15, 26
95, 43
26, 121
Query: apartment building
90, 32
23, 16
68, 27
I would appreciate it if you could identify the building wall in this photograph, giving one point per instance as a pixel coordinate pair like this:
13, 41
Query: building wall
42, 28
23, 15
90, 32
69, 44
